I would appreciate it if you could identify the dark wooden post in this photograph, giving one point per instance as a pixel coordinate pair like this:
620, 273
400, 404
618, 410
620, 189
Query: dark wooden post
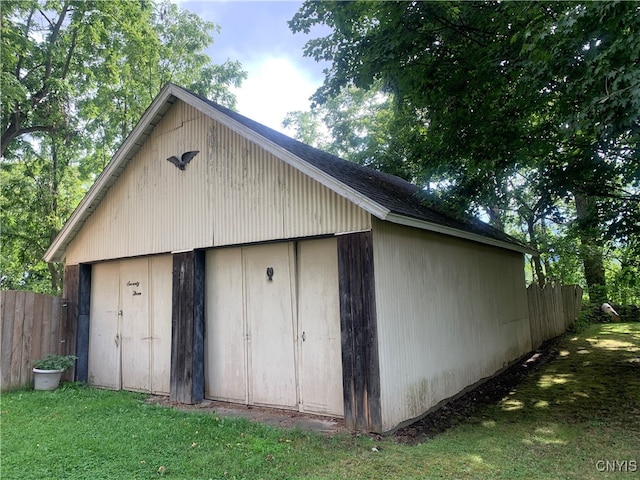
360, 364
70, 289
82, 326
187, 327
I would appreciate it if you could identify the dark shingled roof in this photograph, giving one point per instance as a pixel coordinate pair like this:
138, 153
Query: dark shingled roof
394, 193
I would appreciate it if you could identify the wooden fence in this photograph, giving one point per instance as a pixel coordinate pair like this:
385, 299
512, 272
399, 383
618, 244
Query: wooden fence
33, 325
552, 310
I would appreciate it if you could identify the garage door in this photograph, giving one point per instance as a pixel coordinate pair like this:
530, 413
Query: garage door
130, 325
273, 326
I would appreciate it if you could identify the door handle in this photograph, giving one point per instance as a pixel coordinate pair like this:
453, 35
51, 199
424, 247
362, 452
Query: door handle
304, 336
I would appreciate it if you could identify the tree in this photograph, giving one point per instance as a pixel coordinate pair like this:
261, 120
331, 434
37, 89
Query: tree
357, 125
488, 88
76, 76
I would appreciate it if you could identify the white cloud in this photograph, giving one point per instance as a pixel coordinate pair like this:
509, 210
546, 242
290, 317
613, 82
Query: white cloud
274, 87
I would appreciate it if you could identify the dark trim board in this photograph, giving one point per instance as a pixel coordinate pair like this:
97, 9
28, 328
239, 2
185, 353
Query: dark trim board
360, 363
83, 321
187, 327
70, 288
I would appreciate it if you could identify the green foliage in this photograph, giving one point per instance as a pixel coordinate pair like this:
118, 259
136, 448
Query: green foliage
623, 274
357, 125
55, 362
508, 108
76, 77
39, 191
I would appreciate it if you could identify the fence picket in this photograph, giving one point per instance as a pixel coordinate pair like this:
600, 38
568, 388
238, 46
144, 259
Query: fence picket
33, 324
8, 303
552, 310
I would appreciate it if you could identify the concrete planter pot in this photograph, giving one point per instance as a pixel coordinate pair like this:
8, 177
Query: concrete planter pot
46, 379
47, 371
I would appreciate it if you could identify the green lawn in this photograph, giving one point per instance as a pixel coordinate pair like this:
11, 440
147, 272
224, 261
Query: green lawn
565, 421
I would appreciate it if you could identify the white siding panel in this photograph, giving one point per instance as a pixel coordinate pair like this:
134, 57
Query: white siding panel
312, 209
153, 207
161, 268
247, 200
450, 312
233, 192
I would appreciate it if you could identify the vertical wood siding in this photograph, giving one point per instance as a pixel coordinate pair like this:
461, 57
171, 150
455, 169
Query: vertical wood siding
33, 325
552, 310
187, 327
232, 192
450, 312
71, 296
358, 322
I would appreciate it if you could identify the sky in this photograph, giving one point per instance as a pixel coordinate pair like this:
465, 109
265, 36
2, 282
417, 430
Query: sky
255, 33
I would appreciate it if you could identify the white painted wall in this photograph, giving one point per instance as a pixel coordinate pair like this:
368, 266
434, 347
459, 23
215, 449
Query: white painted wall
233, 192
450, 312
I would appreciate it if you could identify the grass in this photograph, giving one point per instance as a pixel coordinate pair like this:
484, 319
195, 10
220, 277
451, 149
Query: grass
564, 421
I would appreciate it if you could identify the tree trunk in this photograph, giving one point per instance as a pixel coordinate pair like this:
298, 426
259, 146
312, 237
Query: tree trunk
495, 218
533, 240
591, 248
56, 278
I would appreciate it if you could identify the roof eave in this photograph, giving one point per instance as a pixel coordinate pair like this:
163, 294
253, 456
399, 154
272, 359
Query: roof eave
454, 232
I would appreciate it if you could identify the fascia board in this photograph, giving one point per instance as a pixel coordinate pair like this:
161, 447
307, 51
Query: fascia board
454, 232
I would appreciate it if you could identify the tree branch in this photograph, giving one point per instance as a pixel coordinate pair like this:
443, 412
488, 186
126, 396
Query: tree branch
52, 41
14, 131
26, 35
72, 48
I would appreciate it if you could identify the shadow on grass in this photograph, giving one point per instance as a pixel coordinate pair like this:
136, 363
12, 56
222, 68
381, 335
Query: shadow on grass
576, 378
595, 377
573, 413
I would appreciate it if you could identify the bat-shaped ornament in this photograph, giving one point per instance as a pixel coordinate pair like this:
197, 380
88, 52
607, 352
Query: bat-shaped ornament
181, 163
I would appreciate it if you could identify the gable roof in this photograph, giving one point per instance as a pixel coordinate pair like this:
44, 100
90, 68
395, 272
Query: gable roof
384, 196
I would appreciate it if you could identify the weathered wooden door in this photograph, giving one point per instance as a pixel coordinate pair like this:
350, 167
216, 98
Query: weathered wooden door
319, 327
134, 325
273, 326
161, 295
104, 336
225, 335
130, 325
269, 272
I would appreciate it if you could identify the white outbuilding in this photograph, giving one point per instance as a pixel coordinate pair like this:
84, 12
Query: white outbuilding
255, 269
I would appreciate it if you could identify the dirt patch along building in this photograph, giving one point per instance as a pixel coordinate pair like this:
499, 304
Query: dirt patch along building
252, 268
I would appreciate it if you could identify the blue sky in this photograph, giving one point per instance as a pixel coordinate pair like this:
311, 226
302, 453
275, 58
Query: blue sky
280, 79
